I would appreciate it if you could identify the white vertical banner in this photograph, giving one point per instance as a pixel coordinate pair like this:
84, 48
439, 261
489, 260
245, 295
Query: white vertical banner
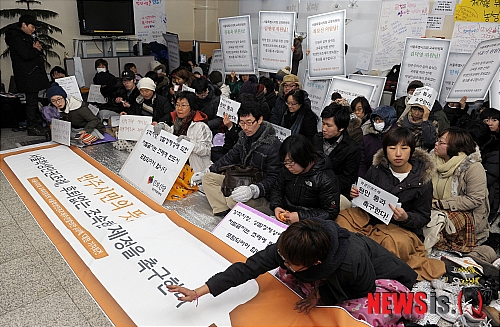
276, 29
217, 63
325, 40
379, 83
236, 44
456, 62
495, 92
477, 75
61, 131
70, 86
349, 89
317, 90
150, 20
423, 60
174, 58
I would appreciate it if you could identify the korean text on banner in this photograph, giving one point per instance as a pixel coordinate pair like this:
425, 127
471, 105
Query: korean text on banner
379, 83
276, 30
229, 107
423, 60
349, 89
70, 85
325, 40
467, 35
247, 230
375, 200
478, 73
155, 162
478, 11
236, 44
456, 61
61, 131
318, 92
495, 92
132, 126
423, 96
150, 20
443, 7
95, 94
281, 132
174, 58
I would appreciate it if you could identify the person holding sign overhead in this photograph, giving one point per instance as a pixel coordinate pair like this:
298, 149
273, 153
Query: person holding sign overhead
406, 172
306, 186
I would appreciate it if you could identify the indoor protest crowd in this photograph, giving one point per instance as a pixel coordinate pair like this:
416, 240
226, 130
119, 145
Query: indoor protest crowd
442, 163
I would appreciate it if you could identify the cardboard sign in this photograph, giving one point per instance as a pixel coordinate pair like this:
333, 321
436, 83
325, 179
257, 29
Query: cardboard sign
423, 60
325, 40
174, 58
281, 132
236, 44
95, 94
456, 61
276, 29
229, 107
379, 83
155, 162
61, 131
375, 200
477, 75
132, 126
247, 230
349, 89
425, 96
70, 85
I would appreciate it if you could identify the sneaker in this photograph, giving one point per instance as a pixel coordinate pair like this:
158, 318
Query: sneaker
35, 131
453, 312
440, 284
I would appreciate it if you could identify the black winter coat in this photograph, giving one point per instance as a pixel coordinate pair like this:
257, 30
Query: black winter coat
490, 161
161, 108
280, 108
455, 114
28, 64
121, 92
414, 192
350, 269
345, 159
262, 153
209, 106
310, 194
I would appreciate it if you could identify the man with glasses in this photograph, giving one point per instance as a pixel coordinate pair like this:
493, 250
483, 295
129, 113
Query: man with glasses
257, 146
290, 83
208, 102
28, 66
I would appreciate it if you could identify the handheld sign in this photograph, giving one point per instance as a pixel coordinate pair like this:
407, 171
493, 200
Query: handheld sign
236, 44
424, 96
317, 90
95, 94
61, 131
229, 107
495, 92
247, 230
456, 61
281, 132
186, 88
70, 86
114, 121
375, 200
379, 83
155, 162
131, 126
349, 89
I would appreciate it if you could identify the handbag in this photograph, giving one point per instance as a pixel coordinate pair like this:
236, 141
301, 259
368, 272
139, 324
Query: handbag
238, 175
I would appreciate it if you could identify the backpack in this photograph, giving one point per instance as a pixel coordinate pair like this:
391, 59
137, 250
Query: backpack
392, 79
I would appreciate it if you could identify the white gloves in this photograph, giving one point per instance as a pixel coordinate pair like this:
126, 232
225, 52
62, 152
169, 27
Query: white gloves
183, 137
196, 178
162, 126
245, 193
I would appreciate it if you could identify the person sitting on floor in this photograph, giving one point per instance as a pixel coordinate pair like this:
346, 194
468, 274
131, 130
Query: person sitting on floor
306, 186
298, 117
419, 120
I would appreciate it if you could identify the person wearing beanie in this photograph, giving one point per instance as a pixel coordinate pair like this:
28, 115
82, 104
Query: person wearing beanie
158, 67
197, 72
216, 78
149, 103
290, 84
71, 109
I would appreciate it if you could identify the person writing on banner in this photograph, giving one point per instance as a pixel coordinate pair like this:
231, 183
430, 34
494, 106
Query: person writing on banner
188, 123
406, 172
322, 262
258, 147
87, 127
306, 186
459, 191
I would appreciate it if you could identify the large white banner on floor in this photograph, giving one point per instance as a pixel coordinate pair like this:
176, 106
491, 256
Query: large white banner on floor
132, 250
236, 44
349, 89
325, 40
275, 40
477, 75
379, 83
423, 60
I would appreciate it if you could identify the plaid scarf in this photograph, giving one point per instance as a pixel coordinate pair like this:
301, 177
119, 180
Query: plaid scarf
181, 125
465, 237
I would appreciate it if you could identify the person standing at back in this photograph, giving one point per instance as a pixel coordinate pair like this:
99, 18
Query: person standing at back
28, 66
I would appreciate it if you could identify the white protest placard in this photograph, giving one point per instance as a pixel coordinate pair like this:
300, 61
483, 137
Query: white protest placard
281, 132
229, 107
379, 83
467, 35
150, 20
375, 200
155, 162
318, 93
236, 44
132, 126
456, 61
115, 121
95, 94
248, 230
217, 63
325, 40
275, 40
93, 109
424, 96
61, 131
174, 58
349, 89
435, 22
495, 92
423, 60
477, 75
443, 7
70, 85
186, 88
364, 60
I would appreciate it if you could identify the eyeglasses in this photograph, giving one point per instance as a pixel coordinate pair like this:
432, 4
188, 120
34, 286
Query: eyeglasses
246, 123
291, 103
54, 101
289, 162
178, 105
441, 142
287, 264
